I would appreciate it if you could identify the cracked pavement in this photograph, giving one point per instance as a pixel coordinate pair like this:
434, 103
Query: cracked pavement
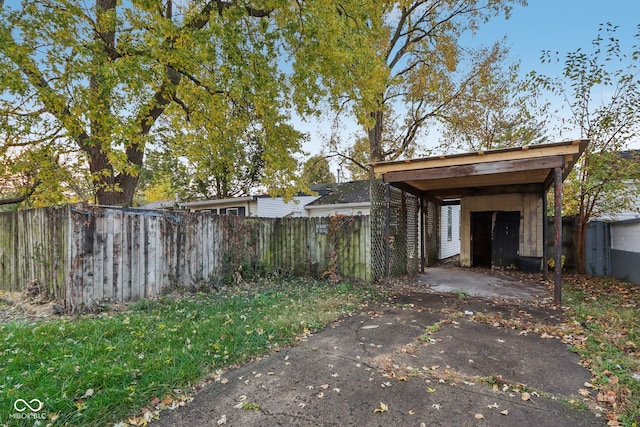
422, 359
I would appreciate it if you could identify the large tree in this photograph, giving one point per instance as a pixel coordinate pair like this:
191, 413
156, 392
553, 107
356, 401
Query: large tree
396, 64
495, 113
600, 93
317, 170
95, 79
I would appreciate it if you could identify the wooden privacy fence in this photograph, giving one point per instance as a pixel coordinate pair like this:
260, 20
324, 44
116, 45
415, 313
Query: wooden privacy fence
83, 254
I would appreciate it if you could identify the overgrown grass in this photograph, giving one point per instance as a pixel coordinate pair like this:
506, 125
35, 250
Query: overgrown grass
94, 371
608, 312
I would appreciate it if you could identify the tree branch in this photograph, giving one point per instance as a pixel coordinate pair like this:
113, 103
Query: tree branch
21, 198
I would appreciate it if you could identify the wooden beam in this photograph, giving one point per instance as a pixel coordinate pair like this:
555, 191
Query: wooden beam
422, 251
451, 193
489, 168
550, 180
557, 282
533, 151
417, 192
545, 225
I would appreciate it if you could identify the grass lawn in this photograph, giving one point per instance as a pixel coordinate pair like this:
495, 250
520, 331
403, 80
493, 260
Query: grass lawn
98, 370
607, 312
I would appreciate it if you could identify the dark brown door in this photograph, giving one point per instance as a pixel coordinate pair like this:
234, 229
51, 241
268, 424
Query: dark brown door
481, 238
506, 239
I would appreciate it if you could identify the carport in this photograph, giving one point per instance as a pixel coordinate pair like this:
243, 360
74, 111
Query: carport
502, 195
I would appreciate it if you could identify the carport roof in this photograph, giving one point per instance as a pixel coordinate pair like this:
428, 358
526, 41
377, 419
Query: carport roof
528, 169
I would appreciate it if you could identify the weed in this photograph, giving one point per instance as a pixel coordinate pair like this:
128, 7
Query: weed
251, 406
462, 293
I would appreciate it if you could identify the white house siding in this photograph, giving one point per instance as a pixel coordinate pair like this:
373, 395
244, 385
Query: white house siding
625, 236
278, 208
449, 236
530, 207
219, 206
625, 250
632, 213
342, 209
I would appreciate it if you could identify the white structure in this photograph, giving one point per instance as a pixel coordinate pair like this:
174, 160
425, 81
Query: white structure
449, 231
256, 206
621, 235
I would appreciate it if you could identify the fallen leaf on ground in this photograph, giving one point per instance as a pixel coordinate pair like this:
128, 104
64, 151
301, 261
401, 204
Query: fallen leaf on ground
525, 396
479, 417
382, 408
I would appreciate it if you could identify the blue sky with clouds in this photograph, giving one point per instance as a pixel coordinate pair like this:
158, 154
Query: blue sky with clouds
554, 25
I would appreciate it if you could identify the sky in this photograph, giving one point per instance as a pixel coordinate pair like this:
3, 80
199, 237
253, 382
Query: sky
560, 25
554, 25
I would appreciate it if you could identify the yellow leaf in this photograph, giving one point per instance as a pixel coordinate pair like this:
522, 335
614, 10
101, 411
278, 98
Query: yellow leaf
431, 390
382, 408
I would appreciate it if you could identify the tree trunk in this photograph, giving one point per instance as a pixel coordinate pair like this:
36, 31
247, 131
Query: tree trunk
375, 138
579, 241
120, 195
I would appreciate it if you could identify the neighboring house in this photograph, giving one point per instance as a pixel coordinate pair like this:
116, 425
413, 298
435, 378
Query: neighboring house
161, 204
613, 242
258, 206
348, 198
263, 206
450, 229
240, 206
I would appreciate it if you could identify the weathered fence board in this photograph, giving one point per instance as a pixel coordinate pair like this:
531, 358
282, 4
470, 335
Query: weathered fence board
82, 254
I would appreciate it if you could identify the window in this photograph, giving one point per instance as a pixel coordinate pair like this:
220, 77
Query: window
232, 211
449, 223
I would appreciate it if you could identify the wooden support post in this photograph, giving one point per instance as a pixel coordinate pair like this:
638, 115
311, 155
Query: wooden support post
387, 231
422, 260
545, 255
557, 282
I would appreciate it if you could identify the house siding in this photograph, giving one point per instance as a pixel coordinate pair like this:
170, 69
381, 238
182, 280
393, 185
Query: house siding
278, 208
330, 211
625, 237
624, 265
449, 247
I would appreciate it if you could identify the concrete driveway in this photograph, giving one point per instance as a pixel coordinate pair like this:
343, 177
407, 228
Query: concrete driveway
424, 358
483, 282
